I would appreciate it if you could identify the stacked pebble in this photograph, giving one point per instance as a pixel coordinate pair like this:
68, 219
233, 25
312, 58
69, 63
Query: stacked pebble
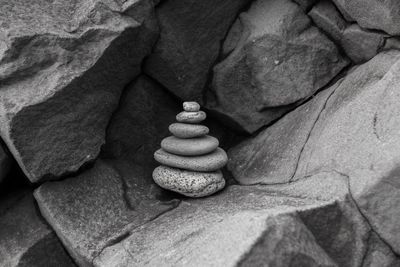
191, 160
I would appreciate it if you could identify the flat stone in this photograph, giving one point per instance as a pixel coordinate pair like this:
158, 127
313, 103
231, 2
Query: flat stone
210, 162
191, 117
90, 211
306, 223
185, 130
191, 106
190, 147
25, 238
189, 183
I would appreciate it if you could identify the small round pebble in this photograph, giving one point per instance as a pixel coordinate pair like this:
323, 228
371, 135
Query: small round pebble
190, 147
191, 106
189, 183
191, 117
185, 130
206, 163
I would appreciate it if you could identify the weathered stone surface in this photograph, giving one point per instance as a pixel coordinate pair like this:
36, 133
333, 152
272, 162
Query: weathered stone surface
190, 147
95, 209
191, 117
307, 223
271, 157
325, 15
186, 130
373, 14
62, 68
305, 4
280, 60
25, 238
191, 33
355, 134
205, 163
140, 123
191, 106
361, 45
189, 183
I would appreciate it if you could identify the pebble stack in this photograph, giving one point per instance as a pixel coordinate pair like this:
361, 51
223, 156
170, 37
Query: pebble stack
191, 160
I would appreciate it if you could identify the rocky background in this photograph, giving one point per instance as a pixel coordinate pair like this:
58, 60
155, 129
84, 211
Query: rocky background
303, 94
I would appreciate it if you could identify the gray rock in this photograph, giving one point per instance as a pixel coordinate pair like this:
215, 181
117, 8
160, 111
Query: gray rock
97, 208
305, 4
191, 106
26, 240
191, 117
191, 33
325, 15
373, 14
307, 223
189, 183
62, 68
139, 124
5, 163
205, 163
185, 130
361, 45
354, 134
280, 60
190, 147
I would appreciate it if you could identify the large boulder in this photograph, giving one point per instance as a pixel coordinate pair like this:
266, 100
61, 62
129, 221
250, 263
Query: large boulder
189, 43
279, 60
373, 14
355, 134
26, 239
100, 207
62, 68
282, 225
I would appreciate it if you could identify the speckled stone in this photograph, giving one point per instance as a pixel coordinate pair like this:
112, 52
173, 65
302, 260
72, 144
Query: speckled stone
185, 130
190, 147
189, 183
191, 117
209, 162
191, 106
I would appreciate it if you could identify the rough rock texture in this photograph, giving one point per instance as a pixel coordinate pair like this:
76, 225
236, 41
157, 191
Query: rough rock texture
191, 33
62, 68
99, 207
373, 14
279, 60
26, 240
307, 223
140, 123
189, 183
355, 134
359, 44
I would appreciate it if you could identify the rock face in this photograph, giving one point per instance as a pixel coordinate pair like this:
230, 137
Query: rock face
359, 44
62, 68
26, 240
254, 226
278, 60
353, 132
189, 43
190, 166
373, 14
104, 204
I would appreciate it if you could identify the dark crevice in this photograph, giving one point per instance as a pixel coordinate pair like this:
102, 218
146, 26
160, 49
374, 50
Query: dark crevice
374, 123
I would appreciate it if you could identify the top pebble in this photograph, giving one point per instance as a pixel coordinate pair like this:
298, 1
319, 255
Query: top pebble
191, 106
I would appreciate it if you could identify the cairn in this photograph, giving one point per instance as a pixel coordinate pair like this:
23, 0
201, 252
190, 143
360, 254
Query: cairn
191, 160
